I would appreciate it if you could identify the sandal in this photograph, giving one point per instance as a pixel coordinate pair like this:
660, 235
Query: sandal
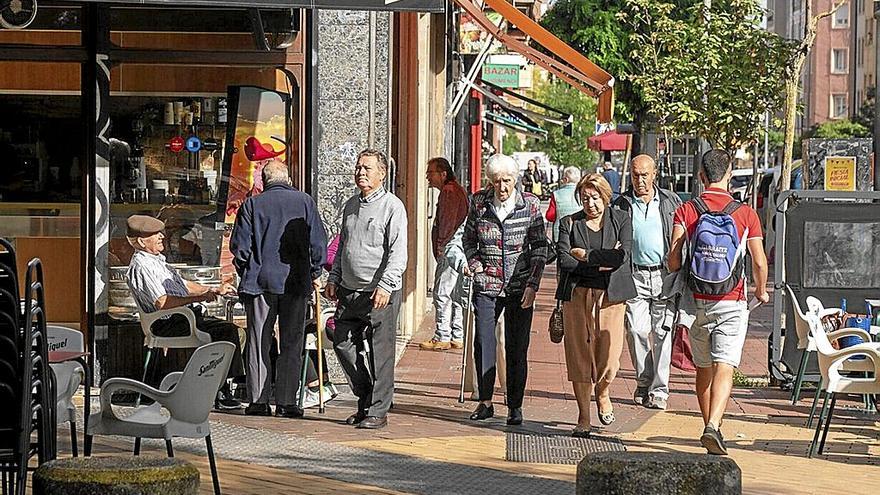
606, 418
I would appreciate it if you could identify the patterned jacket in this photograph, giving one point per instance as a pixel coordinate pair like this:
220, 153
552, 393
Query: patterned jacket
507, 256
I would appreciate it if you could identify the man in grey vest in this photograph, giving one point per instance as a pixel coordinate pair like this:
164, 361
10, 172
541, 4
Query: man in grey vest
366, 279
650, 345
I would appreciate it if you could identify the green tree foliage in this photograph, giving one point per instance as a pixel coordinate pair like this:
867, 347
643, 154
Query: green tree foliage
840, 129
714, 73
561, 149
511, 143
866, 111
594, 28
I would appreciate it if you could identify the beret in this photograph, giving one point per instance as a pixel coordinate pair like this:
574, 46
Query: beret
143, 226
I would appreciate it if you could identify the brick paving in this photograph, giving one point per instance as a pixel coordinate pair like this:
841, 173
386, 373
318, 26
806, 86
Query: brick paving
431, 447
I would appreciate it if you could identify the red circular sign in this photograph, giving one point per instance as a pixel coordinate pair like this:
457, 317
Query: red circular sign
176, 144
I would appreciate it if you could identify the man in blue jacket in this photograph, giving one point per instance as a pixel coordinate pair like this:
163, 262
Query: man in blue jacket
279, 245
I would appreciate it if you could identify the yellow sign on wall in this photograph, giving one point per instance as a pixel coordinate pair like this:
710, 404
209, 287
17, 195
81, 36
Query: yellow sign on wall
840, 173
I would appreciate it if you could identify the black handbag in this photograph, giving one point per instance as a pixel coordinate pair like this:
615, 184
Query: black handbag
557, 330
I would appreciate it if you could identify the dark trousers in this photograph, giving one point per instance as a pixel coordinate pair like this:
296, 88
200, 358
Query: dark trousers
220, 331
372, 380
517, 327
262, 313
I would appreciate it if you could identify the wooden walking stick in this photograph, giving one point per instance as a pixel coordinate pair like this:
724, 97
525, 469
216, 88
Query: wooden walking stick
320, 326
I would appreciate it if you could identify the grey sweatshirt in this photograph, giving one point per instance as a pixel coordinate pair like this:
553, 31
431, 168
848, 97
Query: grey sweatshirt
372, 244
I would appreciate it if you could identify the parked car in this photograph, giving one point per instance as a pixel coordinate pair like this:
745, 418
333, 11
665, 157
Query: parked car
767, 203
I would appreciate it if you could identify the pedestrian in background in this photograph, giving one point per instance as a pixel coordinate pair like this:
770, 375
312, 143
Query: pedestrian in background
278, 246
612, 176
505, 244
593, 254
452, 208
563, 202
533, 179
650, 344
719, 332
366, 279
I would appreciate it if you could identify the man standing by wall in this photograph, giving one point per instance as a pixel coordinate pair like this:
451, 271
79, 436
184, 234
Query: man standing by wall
366, 280
452, 206
650, 346
719, 331
278, 245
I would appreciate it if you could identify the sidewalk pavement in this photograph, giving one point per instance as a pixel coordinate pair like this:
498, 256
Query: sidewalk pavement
431, 447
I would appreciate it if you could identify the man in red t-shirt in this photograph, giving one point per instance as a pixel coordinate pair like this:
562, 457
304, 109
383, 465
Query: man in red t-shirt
719, 330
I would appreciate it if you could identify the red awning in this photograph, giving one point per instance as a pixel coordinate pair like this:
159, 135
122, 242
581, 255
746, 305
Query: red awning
608, 141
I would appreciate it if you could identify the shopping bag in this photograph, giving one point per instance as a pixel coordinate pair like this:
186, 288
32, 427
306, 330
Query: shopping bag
682, 357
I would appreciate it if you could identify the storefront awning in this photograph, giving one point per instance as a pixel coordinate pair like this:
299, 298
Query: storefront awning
608, 141
401, 5
560, 59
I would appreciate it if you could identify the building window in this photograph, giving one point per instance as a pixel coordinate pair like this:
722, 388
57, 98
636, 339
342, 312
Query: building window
839, 106
839, 60
841, 17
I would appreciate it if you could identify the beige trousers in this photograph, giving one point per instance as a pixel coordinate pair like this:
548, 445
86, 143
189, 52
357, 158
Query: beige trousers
593, 338
470, 372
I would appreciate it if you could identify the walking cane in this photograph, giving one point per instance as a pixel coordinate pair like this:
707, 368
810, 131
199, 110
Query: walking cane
320, 326
468, 332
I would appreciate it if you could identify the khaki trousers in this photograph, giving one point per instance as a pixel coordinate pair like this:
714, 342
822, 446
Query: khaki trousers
470, 374
593, 337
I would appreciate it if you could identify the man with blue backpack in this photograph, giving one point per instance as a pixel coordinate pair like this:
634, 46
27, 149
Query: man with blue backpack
717, 232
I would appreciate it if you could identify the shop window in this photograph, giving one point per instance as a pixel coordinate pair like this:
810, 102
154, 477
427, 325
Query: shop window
52, 26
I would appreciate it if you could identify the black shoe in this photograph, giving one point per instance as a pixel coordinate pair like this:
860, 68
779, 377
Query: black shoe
373, 423
483, 412
225, 401
356, 418
257, 409
288, 412
514, 416
713, 441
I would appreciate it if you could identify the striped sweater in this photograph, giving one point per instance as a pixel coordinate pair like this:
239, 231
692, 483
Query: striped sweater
507, 256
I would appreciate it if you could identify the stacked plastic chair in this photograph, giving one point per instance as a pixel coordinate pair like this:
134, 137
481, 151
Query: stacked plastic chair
27, 425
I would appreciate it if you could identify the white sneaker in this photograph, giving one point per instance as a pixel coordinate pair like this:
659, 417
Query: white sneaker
312, 399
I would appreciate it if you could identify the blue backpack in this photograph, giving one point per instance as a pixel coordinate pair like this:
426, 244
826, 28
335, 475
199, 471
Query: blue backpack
717, 252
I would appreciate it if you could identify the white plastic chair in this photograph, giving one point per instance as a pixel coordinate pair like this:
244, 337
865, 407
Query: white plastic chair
187, 397
805, 341
196, 337
68, 375
815, 307
832, 361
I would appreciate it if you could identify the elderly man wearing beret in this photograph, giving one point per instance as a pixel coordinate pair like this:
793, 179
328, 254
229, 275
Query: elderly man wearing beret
155, 286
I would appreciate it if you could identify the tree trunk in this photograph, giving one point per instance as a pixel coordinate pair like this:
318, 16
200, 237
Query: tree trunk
791, 97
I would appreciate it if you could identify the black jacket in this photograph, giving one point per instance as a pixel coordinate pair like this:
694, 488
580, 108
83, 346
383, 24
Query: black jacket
669, 202
278, 243
616, 227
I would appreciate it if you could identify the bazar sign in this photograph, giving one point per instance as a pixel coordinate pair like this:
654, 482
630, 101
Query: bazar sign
412, 5
504, 75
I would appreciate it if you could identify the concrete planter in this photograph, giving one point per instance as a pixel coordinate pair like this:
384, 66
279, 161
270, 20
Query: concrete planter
116, 476
657, 473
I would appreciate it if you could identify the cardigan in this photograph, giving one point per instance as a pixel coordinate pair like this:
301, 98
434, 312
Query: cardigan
616, 227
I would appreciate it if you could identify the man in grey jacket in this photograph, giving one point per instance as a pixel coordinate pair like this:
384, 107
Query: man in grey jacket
366, 280
650, 344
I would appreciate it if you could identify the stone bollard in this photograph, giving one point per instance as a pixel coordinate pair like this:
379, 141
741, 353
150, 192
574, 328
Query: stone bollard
133, 475
657, 473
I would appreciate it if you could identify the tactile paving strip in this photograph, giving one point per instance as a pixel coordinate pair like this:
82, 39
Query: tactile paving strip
556, 449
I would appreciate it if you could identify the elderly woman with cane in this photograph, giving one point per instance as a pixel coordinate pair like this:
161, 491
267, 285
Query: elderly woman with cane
593, 253
505, 245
